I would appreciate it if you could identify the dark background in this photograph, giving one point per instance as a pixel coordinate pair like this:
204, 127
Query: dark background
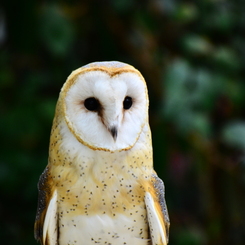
192, 56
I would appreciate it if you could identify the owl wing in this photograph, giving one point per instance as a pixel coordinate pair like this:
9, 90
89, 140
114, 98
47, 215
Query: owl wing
46, 224
157, 212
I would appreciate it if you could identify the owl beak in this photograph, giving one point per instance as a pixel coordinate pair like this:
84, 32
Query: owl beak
113, 131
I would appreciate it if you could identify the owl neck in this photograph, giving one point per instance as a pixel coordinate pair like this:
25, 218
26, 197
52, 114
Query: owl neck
69, 154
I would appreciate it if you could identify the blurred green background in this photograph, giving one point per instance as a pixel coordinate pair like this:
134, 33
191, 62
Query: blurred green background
192, 55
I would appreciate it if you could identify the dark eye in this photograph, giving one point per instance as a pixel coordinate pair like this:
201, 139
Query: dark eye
92, 104
127, 103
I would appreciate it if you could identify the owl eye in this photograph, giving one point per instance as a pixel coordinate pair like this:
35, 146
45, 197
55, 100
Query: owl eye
127, 103
92, 104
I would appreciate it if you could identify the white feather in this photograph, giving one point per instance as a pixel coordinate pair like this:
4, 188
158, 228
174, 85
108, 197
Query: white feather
101, 229
156, 229
50, 223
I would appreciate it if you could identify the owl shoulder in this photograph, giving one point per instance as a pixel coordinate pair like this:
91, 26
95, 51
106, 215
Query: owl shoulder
45, 194
157, 212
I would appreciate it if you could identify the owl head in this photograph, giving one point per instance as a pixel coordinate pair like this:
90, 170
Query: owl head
105, 105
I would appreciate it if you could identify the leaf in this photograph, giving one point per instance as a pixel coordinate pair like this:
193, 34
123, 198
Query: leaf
197, 45
234, 134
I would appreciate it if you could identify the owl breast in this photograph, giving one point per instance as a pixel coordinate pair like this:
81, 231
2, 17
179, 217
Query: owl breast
104, 229
103, 210
101, 200
109, 210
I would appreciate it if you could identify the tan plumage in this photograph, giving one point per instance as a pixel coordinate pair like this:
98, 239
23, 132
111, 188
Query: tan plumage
99, 185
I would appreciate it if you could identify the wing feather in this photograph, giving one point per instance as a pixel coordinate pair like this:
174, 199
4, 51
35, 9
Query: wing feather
45, 229
157, 212
50, 227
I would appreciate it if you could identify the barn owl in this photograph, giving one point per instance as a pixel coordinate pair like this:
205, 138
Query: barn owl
99, 186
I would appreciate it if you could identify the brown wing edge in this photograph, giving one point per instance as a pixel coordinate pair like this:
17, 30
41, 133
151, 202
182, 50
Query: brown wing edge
44, 194
160, 193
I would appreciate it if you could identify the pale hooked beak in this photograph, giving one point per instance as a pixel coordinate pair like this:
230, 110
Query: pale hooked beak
113, 131
112, 120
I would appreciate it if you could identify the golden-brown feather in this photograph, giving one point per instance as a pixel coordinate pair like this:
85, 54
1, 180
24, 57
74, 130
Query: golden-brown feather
45, 187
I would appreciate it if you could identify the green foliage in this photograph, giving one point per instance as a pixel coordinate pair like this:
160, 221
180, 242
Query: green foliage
56, 31
192, 54
234, 134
